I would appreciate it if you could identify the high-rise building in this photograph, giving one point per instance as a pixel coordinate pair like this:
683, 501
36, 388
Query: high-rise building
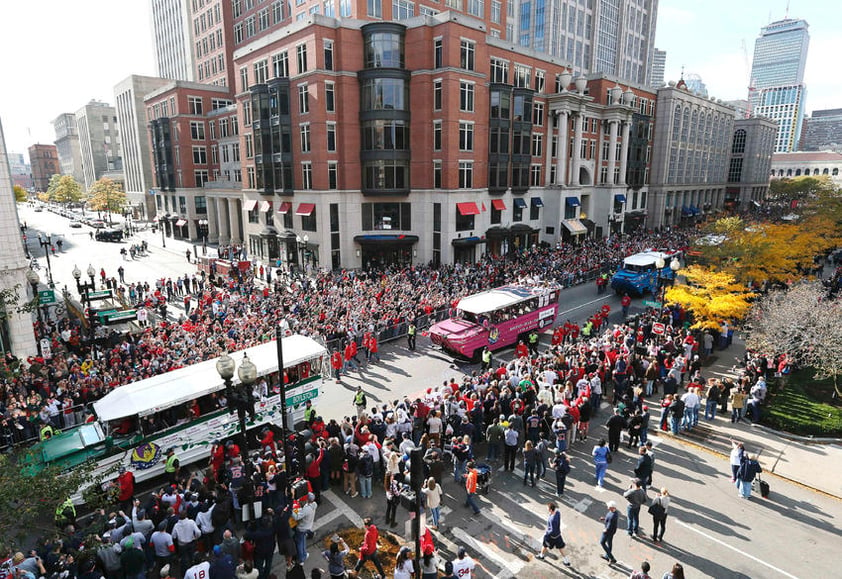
822, 131
750, 162
613, 37
67, 145
777, 78
658, 68
134, 140
213, 37
173, 36
99, 139
43, 160
16, 329
696, 85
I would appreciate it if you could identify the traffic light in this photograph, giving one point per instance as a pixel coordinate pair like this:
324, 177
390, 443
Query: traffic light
416, 469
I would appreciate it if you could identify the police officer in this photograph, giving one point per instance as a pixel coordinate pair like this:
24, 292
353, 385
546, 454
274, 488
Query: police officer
533, 343
171, 467
410, 336
486, 359
65, 514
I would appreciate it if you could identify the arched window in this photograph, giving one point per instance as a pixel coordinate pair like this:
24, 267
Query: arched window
798, 172
676, 123
739, 144
835, 171
825, 171
789, 172
815, 171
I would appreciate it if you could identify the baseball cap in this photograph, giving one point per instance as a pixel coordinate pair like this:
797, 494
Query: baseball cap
462, 552
611, 505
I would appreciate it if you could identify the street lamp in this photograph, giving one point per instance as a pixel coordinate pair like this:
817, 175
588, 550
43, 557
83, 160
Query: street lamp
34, 281
85, 290
660, 264
279, 335
47, 244
302, 247
162, 222
240, 397
203, 231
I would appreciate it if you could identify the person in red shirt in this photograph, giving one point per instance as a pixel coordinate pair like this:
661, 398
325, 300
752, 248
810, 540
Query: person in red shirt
217, 459
625, 302
125, 481
521, 351
314, 474
368, 550
373, 351
336, 364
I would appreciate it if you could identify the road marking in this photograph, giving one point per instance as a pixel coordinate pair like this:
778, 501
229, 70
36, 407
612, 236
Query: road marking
513, 567
322, 521
582, 505
735, 549
343, 508
583, 305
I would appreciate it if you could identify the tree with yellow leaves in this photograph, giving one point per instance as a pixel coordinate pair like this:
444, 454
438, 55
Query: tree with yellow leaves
107, 195
710, 296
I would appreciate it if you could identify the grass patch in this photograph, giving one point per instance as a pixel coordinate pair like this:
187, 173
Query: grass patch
804, 406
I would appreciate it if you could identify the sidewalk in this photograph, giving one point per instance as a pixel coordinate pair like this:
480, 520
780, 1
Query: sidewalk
813, 463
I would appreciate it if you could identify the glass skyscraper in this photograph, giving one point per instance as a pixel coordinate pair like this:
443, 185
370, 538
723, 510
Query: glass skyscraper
777, 78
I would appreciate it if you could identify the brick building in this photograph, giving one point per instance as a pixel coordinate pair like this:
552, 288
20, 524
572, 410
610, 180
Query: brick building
44, 162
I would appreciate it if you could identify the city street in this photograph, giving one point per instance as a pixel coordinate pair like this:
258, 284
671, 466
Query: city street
711, 531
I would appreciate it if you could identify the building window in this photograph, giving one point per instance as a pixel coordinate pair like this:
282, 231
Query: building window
466, 174
330, 97
436, 174
437, 53
466, 136
249, 146
304, 131
374, 8
197, 130
437, 95
386, 216
538, 114
194, 105
261, 71
517, 212
201, 177
466, 96
522, 76
539, 81
402, 9
386, 175
437, 135
496, 11
331, 137
739, 145
277, 11
307, 175
464, 222
308, 222
303, 99
535, 178
250, 177
499, 70
244, 79
223, 128
537, 145
280, 64
328, 54
200, 155
301, 58
467, 49
536, 204
332, 175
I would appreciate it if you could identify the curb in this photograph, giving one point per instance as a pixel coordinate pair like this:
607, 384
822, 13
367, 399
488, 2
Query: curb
798, 438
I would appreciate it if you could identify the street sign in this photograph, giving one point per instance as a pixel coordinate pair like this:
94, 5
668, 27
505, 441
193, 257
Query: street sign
105, 313
46, 297
658, 328
651, 304
124, 316
302, 397
100, 295
46, 350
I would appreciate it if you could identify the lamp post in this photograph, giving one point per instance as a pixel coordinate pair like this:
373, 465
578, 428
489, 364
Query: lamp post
162, 222
279, 334
302, 247
660, 264
85, 290
241, 396
47, 243
34, 281
203, 231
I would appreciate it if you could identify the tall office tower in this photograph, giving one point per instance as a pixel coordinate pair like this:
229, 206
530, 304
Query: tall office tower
173, 36
615, 37
67, 145
777, 77
16, 330
134, 138
658, 68
99, 140
822, 131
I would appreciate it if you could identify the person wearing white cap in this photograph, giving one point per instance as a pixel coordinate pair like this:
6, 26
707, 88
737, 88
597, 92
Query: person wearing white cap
608, 532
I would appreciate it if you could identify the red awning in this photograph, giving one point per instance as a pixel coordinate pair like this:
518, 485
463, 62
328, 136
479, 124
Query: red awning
265, 206
284, 207
249, 204
305, 209
498, 204
180, 223
468, 208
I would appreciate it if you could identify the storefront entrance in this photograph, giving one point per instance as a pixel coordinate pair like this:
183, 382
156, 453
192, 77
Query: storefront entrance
379, 251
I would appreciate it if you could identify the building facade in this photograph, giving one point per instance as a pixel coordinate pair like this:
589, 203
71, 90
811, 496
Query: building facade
134, 140
43, 159
822, 131
658, 68
68, 147
20, 171
814, 164
99, 139
777, 78
750, 162
173, 36
693, 141
212, 33
17, 335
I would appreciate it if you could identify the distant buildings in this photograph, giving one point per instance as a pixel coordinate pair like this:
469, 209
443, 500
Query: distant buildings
68, 147
20, 171
822, 131
173, 35
814, 164
658, 67
777, 78
750, 162
43, 159
695, 84
99, 139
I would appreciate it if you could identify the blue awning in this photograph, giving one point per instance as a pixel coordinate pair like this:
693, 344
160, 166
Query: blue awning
619, 198
572, 201
521, 203
537, 202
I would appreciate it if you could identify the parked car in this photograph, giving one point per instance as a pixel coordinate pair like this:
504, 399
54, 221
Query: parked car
75, 224
38, 210
109, 235
97, 224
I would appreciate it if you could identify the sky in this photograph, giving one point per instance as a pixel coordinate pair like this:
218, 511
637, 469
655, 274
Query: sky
60, 54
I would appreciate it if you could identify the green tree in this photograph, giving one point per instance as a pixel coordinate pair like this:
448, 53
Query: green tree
107, 195
52, 186
28, 502
799, 189
711, 296
20, 194
67, 190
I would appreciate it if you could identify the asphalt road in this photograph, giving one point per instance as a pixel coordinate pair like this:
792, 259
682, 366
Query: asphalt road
711, 531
